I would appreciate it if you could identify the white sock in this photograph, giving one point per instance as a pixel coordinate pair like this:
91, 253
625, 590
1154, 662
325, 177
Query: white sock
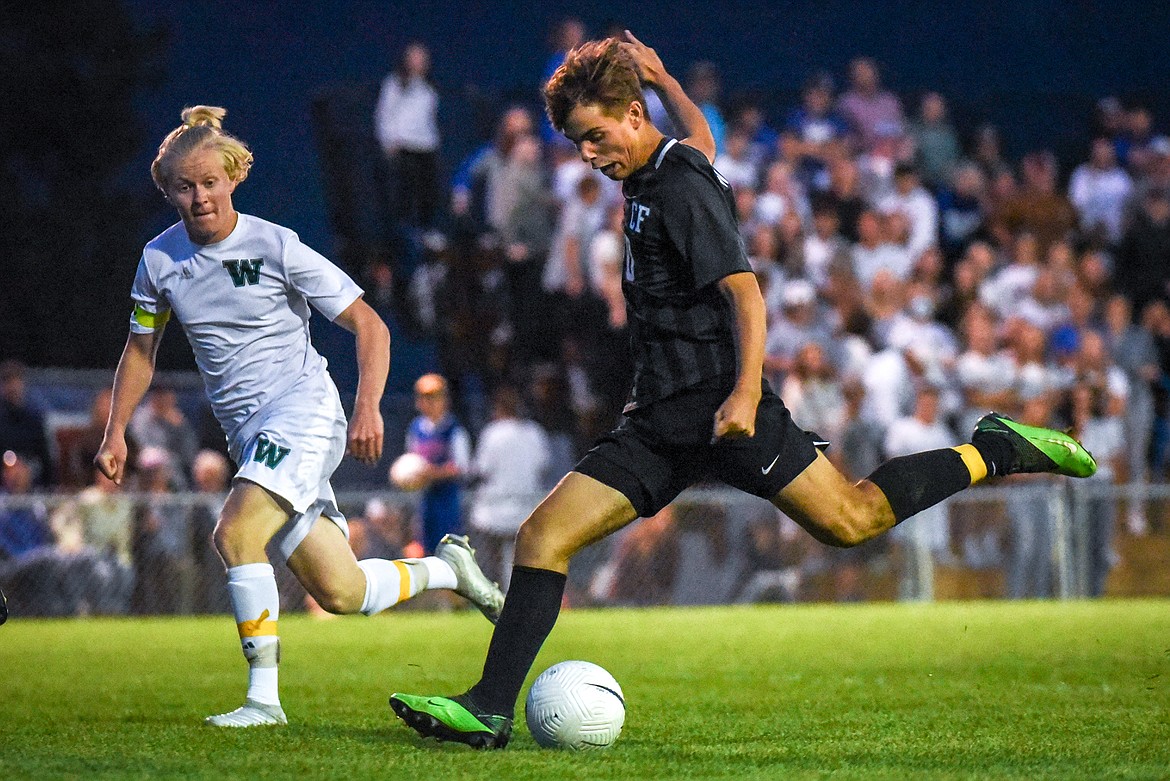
387, 584
390, 582
440, 574
256, 605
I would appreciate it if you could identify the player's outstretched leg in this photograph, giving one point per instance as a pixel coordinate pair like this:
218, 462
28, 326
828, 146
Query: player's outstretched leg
251, 714
471, 583
1011, 448
907, 485
456, 719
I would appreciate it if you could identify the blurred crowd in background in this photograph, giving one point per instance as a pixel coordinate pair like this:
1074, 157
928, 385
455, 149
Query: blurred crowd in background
914, 278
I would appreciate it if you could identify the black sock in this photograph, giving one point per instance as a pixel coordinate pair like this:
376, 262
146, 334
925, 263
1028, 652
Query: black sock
997, 452
530, 611
913, 483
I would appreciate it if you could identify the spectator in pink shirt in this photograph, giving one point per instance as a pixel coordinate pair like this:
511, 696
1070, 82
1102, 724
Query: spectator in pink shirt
871, 111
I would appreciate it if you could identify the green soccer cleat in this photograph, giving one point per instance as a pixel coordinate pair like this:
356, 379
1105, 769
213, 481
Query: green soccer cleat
455, 719
1037, 449
471, 583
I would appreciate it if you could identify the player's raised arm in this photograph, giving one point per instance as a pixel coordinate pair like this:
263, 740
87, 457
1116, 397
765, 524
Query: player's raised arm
373, 356
131, 381
685, 115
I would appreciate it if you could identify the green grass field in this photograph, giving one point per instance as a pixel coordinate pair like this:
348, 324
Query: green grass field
956, 691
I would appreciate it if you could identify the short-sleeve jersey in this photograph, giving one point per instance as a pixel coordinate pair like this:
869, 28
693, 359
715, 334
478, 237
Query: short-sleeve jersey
244, 304
681, 238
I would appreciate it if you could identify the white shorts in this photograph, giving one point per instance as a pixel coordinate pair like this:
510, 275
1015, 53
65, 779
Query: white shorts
291, 448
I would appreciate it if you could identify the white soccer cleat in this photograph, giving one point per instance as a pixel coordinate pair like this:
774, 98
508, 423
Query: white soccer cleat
471, 583
250, 714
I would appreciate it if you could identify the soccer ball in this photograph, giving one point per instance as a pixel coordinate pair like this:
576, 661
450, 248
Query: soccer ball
575, 705
408, 470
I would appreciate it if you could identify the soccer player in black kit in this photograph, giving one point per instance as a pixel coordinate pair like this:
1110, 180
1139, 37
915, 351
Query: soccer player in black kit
699, 408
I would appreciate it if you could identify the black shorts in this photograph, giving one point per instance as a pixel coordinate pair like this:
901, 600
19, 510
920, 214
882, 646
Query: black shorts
658, 451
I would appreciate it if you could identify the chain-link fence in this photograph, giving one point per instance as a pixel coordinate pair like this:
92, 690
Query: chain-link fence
134, 553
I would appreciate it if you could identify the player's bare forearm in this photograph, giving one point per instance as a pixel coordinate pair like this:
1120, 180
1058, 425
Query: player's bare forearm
372, 338
131, 381
686, 116
747, 306
373, 351
736, 417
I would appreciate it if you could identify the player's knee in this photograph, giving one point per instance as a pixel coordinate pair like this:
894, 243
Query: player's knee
339, 604
228, 542
239, 540
530, 538
847, 533
337, 598
859, 520
538, 542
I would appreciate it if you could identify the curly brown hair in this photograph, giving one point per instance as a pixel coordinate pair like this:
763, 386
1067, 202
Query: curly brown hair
595, 73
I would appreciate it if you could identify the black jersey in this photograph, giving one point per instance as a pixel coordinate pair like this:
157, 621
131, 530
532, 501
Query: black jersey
681, 238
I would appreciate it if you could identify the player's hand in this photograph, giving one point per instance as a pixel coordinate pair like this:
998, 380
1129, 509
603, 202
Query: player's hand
365, 434
646, 60
111, 458
736, 417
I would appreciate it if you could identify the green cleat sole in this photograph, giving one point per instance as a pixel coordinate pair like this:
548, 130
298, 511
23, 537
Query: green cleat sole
446, 719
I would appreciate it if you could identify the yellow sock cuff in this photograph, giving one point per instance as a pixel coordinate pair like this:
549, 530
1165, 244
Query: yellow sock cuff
973, 461
405, 591
259, 627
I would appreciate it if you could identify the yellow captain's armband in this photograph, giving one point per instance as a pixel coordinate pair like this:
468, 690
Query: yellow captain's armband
151, 319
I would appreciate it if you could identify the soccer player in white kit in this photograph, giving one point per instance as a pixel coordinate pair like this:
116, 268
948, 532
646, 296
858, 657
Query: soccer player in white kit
241, 288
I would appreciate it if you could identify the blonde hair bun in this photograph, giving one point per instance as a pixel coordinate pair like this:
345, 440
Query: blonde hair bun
194, 116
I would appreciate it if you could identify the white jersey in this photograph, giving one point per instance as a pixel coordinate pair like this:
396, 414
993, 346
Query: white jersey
244, 304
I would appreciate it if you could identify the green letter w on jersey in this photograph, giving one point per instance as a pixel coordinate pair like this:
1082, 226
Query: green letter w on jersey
244, 272
269, 453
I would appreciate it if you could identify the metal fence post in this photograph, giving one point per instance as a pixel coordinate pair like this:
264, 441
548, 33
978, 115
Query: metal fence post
1058, 502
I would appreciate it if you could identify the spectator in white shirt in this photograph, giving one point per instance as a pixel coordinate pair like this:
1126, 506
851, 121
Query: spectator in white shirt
824, 246
928, 532
736, 163
781, 194
1100, 190
407, 128
911, 199
1007, 287
985, 373
509, 462
872, 253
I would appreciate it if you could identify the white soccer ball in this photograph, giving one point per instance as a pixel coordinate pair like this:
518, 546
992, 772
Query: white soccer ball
408, 471
575, 705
